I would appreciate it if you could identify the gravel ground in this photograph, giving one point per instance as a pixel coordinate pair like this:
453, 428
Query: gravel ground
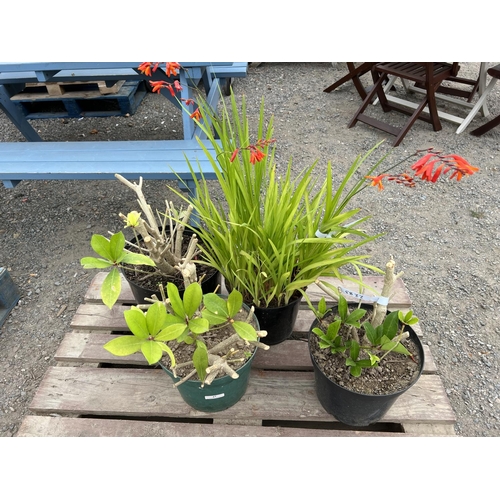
444, 236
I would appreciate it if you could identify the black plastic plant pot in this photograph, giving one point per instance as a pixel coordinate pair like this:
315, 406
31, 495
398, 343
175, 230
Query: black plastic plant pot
208, 285
352, 408
278, 322
221, 394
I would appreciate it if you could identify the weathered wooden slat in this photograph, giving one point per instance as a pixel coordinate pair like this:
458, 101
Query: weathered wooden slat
400, 298
270, 395
86, 347
100, 317
37, 426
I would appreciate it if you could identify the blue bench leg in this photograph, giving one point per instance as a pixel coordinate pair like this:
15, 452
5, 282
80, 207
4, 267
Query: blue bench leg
9, 294
15, 115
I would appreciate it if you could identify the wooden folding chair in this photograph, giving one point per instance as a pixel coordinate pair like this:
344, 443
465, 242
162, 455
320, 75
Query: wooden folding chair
354, 74
429, 75
495, 76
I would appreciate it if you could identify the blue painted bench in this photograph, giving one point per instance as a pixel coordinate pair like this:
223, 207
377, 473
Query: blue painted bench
101, 160
14, 76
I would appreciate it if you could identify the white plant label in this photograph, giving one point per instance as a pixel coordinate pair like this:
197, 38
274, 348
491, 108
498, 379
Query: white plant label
383, 301
215, 396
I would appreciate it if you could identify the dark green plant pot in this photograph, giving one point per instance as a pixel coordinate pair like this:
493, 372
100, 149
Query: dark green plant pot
221, 394
352, 408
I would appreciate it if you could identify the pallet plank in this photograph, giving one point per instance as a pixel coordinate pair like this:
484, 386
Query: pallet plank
38, 426
87, 347
283, 395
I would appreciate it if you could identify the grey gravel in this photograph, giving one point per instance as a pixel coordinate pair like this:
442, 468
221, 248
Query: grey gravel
444, 236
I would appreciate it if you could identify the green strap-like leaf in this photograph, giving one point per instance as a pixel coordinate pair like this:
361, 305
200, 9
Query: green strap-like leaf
116, 246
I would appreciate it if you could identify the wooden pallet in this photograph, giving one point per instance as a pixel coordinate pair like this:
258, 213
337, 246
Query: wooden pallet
81, 102
69, 88
92, 393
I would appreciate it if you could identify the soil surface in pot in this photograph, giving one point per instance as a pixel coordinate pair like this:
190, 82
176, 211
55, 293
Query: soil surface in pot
184, 353
148, 277
395, 373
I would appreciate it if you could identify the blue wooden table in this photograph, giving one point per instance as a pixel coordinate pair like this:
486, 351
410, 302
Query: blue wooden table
14, 77
166, 159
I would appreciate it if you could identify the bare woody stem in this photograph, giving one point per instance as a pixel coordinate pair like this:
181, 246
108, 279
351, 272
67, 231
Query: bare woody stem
380, 310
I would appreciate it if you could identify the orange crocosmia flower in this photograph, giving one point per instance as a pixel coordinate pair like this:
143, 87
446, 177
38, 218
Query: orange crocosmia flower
187, 101
177, 86
462, 164
158, 85
196, 115
145, 68
171, 68
376, 180
233, 156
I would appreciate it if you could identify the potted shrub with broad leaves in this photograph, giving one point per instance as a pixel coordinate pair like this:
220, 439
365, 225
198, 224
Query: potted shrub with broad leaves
209, 342
364, 358
163, 249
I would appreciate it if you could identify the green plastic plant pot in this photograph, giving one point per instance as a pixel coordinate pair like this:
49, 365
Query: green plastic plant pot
221, 394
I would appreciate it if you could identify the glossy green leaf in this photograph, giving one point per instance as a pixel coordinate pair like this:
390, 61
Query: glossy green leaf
213, 318
152, 351
199, 325
116, 246
355, 316
216, 305
167, 349
192, 298
172, 332
156, 316
234, 303
395, 347
175, 300
371, 333
101, 246
390, 325
354, 350
137, 259
111, 288
245, 330
124, 346
95, 263
200, 360
136, 321
333, 329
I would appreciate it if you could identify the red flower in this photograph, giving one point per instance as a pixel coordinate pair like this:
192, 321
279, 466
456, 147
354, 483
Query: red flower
376, 180
196, 115
171, 68
158, 85
145, 68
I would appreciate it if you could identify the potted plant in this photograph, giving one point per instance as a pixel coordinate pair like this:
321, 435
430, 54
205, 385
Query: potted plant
209, 342
274, 233
363, 357
163, 249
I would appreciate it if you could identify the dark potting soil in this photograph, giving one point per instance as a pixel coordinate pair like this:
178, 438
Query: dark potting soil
395, 373
184, 352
